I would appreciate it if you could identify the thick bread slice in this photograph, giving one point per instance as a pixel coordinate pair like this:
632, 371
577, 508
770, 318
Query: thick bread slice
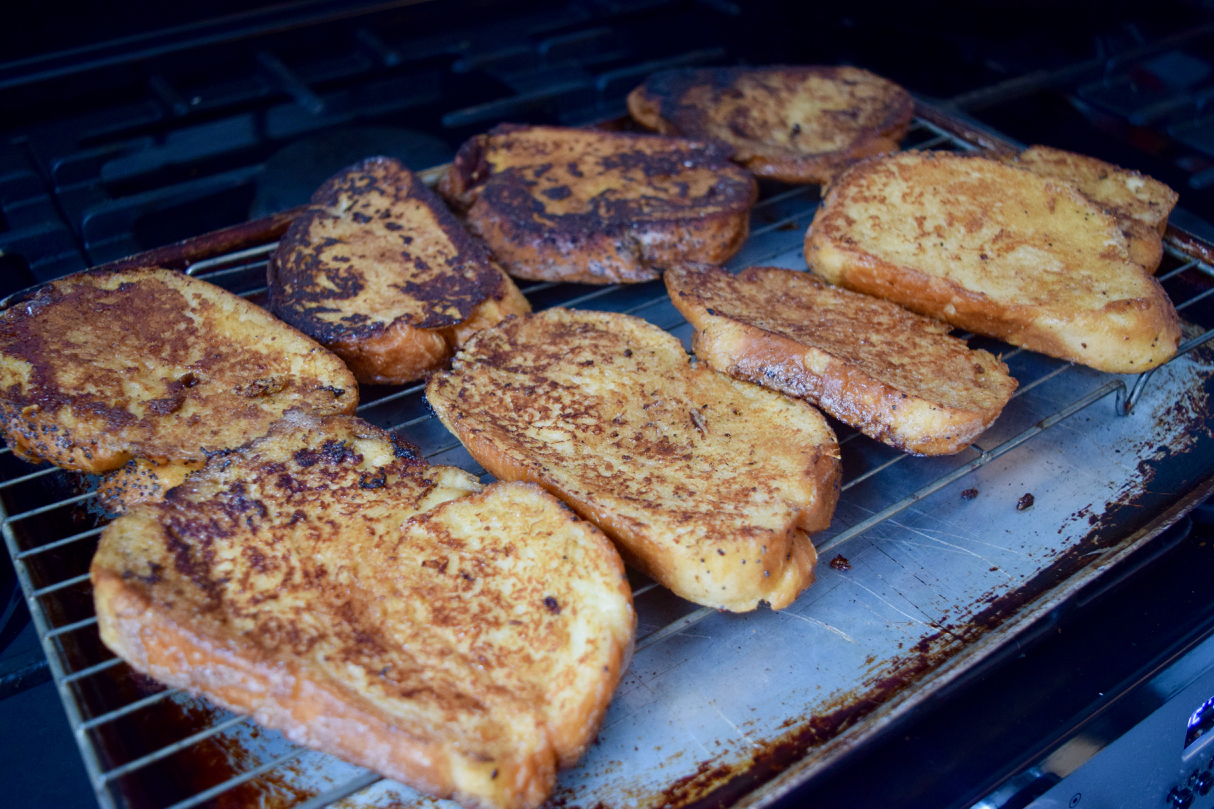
101, 367
706, 484
330, 584
378, 270
894, 375
1142, 203
599, 207
998, 250
796, 124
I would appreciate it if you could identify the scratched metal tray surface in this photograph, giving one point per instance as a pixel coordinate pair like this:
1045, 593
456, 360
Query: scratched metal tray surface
930, 565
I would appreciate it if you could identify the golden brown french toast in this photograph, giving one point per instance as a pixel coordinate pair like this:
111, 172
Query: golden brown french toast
796, 124
1141, 202
996, 249
379, 271
599, 207
894, 375
329, 583
708, 485
102, 367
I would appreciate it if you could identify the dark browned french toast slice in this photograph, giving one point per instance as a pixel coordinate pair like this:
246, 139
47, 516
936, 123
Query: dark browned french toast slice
996, 249
894, 375
102, 367
380, 272
797, 124
707, 484
599, 207
1141, 202
329, 583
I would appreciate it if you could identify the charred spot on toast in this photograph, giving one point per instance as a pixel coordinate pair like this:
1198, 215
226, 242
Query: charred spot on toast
163, 317
377, 247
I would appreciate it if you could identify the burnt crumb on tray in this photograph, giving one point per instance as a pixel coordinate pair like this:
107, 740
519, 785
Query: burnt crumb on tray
840, 562
969, 494
1025, 502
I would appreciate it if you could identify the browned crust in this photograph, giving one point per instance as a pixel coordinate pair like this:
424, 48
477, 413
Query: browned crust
1018, 325
71, 407
684, 102
489, 402
1152, 207
1123, 336
614, 256
790, 556
734, 336
1144, 243
401, 353
617, 238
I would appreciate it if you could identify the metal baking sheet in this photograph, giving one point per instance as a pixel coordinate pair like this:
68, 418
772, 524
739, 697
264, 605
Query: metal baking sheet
929, 565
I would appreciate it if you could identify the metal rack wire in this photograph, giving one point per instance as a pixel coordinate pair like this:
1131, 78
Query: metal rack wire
51, 538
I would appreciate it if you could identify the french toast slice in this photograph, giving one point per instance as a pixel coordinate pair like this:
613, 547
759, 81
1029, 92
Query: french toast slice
998, 250
599, 207
326, 581
894, 375
380, 272
797, 124
101, 367
708, 485
1141, 202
